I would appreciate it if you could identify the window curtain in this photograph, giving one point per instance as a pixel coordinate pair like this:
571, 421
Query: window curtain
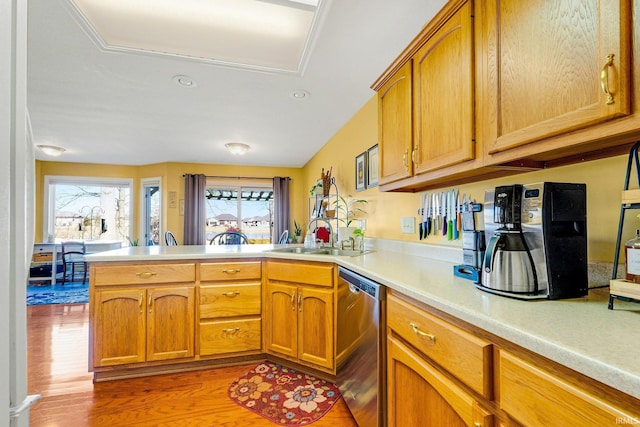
281, 207
194, 209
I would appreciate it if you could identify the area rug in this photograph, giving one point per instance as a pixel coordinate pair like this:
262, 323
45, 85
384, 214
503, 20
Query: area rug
70, 293
282, 395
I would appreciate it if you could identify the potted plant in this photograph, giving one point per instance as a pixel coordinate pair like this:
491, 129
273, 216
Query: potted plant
347, 209
297, 232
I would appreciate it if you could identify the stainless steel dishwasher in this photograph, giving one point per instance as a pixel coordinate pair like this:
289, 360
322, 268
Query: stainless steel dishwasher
360, 350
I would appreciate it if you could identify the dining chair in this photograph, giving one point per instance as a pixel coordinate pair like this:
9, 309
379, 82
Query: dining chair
229, 238
284, 238
72, 257
170, 239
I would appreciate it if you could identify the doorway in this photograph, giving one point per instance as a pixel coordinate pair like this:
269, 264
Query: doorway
151, 212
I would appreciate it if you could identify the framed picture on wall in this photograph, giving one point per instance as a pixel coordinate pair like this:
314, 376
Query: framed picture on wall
361, 171
372, 166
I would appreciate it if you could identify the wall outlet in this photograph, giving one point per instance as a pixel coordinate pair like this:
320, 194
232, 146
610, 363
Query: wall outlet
408, 225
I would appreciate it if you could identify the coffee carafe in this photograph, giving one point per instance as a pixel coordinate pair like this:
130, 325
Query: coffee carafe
508, 264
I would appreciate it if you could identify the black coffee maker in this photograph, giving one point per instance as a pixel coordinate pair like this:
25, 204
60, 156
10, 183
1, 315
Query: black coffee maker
508, 265
552, 221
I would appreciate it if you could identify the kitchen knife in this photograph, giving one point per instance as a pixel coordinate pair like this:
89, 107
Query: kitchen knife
443, 207
457, 219
450, 215
433, 224
427, 216
421, 213
437, 215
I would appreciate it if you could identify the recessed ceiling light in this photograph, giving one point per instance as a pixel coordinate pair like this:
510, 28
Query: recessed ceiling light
299, 94
51, 150
184, 81
237, 148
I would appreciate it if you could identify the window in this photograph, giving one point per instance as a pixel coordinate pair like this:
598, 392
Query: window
246, 207
85, 208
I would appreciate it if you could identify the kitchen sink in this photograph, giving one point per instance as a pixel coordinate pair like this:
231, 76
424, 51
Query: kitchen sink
320, 251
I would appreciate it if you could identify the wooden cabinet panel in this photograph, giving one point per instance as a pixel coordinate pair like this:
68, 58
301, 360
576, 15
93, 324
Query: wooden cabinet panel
535, 397
420, 396
142, 274
443, 90
395, 131
229, 336
318, 274
171, 323
281, 319
230, 300
299, 319
545, 66
119, 327
222, 271
315, 326
467, 357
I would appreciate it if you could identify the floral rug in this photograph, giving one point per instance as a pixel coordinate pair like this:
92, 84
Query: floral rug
70, 293
282, 395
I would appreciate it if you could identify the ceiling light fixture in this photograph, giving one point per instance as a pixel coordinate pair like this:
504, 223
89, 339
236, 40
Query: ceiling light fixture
237, 148
51, 150
184, 81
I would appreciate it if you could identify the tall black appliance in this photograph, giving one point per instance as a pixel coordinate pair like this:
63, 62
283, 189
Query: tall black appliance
553, 223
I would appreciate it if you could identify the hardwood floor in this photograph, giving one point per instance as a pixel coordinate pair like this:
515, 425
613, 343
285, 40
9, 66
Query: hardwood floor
57, 369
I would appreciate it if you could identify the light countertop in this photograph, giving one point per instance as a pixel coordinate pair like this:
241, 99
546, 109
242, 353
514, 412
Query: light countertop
580, 333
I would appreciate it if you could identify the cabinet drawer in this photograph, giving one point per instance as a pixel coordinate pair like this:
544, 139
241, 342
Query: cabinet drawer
229, 300
142, 274
230, 271
229, 336
462, 354
319, 274
535, 397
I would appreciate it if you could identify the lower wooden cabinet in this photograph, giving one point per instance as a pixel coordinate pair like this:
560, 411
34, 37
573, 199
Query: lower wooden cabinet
230, 308
536, 397
419, 395
429, 384
136, 325
299, 318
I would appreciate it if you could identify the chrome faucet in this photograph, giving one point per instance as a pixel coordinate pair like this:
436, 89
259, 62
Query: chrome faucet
315, 220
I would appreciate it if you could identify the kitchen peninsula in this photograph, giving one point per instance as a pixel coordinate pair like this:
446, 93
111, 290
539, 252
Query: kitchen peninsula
578, 340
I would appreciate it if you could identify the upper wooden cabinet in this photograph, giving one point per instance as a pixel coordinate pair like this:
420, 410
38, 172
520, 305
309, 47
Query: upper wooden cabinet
443, 95
551, 67
395, 127
502, 87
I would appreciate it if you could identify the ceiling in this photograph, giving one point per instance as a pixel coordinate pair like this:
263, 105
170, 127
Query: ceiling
124, 107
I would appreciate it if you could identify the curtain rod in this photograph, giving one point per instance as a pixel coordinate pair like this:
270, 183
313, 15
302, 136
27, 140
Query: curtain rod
238, 177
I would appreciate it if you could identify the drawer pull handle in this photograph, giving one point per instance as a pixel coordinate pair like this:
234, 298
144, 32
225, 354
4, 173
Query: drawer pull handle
146, 274
477, 424
417, 331
293, 301
604, 79
230, 330
140, 302
231, 294
231, 271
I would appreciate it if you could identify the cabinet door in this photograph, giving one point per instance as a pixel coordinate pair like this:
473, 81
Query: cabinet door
171, 323
281, 319
546, 68
119, 327
525, 388
443, 96
421, 396
315, 326
394, 127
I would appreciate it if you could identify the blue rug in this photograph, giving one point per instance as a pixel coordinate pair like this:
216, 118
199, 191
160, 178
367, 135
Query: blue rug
70, 293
